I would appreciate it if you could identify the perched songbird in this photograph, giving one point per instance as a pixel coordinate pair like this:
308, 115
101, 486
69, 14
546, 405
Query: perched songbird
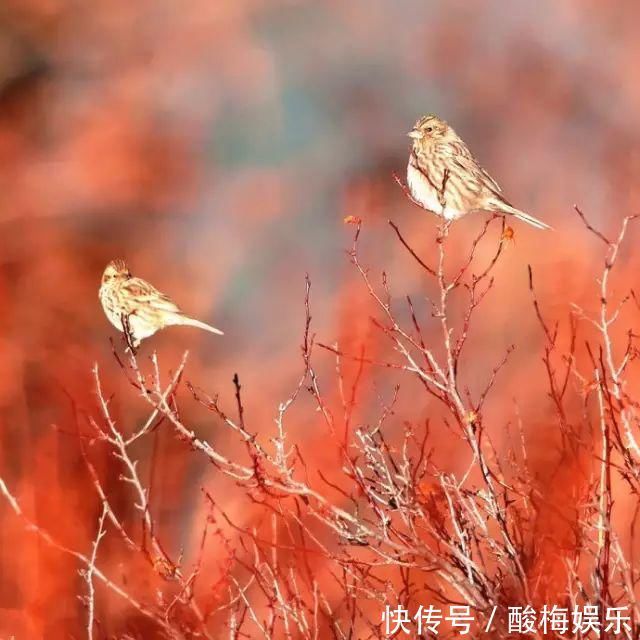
137, 308
445, 178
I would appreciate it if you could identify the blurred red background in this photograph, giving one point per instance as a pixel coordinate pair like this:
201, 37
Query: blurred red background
218, 147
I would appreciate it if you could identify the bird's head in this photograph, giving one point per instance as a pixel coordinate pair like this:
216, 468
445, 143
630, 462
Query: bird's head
429, 129
116, 270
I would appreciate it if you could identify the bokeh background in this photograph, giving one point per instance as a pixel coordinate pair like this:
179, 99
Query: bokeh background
217, 146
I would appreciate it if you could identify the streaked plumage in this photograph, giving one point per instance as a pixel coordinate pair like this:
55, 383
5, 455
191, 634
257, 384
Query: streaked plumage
445, 178
132, 304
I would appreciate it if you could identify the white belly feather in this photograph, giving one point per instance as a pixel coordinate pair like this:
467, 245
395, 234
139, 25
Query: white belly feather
427, 196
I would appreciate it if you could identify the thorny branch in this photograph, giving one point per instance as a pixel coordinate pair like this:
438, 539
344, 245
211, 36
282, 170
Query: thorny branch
393, 522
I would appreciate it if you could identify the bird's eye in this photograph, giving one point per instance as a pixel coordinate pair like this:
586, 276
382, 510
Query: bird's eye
429, 129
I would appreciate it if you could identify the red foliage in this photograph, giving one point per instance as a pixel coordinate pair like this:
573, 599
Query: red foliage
221, 150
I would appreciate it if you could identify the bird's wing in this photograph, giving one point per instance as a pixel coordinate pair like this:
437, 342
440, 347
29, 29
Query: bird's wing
146, 294
470, 165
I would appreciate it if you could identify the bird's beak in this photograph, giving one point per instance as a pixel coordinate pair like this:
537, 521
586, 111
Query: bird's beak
416, 135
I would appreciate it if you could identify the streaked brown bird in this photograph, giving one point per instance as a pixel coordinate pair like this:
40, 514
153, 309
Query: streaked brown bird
445, 178
137, 308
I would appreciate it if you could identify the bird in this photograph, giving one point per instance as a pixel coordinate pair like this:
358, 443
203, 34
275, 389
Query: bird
137, 308
444, 177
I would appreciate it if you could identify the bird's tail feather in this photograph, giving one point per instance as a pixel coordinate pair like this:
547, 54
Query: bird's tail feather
521, 215
192, 322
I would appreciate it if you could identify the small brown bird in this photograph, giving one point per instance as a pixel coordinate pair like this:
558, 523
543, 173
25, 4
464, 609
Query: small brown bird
445, 178
138, 309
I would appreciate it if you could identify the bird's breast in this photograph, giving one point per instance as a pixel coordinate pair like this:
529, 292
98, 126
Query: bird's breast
425, 194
